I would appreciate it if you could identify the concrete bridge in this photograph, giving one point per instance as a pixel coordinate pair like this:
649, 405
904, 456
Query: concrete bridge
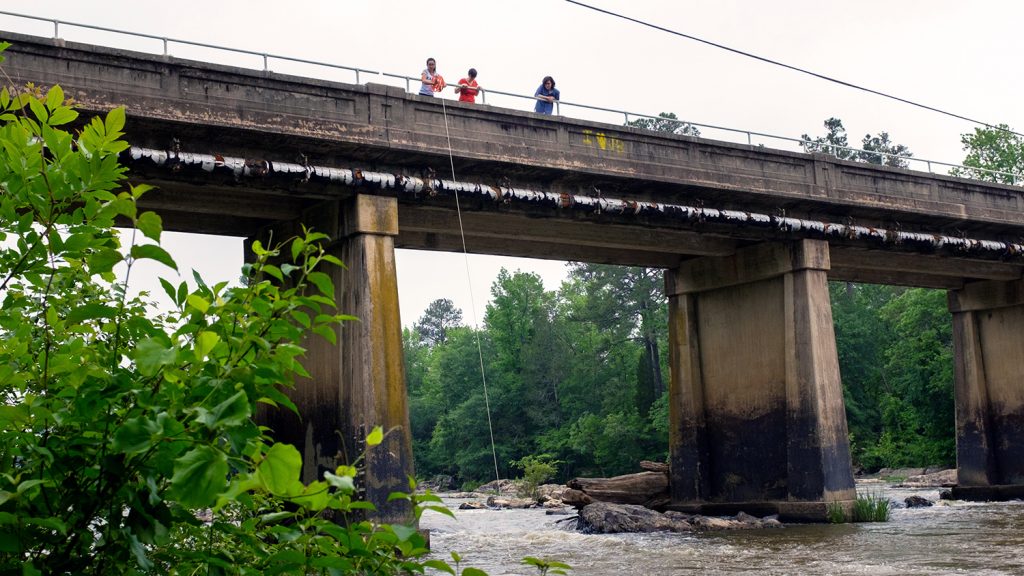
748, 236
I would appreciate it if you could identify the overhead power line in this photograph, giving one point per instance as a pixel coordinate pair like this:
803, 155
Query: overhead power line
794, 68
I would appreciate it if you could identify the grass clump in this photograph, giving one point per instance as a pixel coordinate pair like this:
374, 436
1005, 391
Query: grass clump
870, 507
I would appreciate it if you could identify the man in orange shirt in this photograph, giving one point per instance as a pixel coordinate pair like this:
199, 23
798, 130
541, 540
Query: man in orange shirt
468, 87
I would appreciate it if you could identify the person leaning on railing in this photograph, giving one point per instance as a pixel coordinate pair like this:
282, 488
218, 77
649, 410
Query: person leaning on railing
546, 95
430, 80
468, 88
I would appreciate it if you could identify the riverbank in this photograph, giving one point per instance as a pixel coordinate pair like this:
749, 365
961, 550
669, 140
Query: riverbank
948, 538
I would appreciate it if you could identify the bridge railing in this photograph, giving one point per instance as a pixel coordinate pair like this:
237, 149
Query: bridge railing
502, 98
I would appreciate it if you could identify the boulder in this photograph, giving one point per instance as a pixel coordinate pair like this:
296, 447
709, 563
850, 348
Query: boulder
473, 505
576, 498
439, 483
710, 523
553, 503
502, 502
466, 495
610, 518
917, 502
941, 478
504, 486
550, 492
749, 521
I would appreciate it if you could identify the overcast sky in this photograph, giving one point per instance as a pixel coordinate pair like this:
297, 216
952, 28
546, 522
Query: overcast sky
958, 56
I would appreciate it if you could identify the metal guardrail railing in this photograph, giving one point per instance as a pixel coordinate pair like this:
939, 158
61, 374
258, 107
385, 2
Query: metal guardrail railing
266, 57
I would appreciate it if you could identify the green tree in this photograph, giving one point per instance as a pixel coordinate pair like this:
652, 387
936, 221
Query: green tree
631, 302
878, 149
834, 142
665, 122
116, 426
998, 149
440, 316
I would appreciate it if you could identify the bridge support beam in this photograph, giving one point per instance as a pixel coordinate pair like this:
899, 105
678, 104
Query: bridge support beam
988, 341
756, 407
360, 382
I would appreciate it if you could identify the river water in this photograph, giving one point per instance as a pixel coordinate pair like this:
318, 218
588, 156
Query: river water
948, 538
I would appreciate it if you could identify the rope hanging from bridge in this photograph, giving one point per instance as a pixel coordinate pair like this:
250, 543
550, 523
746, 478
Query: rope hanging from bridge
472, 302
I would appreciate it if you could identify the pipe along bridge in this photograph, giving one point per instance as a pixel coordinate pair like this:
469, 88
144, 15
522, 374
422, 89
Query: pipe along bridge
748, 237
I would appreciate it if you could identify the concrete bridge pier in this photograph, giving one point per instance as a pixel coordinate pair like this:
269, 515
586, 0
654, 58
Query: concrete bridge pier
360, 382
756, 407
988, 342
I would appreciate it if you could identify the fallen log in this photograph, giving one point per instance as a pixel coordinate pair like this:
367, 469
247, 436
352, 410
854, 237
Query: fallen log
640, 488
654, 466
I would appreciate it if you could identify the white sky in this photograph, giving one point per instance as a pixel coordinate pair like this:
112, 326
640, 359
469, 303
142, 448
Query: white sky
959, 56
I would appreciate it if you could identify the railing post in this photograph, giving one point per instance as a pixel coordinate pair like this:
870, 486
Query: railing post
558, 108
750, 141
56, 30
408, 87
357, 76
266, 68
165, 46
626, 114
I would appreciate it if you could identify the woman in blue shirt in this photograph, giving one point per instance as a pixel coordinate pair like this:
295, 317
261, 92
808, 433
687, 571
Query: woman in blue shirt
546, 95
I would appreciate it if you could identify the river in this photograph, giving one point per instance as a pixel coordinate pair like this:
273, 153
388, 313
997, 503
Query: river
948, 538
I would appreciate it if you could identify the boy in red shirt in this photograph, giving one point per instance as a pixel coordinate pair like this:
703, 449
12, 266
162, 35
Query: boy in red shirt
468, 87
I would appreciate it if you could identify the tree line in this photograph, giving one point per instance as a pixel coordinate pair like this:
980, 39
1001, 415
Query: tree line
577, 376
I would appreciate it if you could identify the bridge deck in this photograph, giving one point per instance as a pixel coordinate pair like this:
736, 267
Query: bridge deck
211, 109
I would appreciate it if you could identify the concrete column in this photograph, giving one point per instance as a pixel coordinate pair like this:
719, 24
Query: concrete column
360, 382
756, 406
988, 342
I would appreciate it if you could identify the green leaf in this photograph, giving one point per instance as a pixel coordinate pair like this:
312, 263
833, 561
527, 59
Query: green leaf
38, 109
124, 206
473, 572
169, 290
12, 417
403, 532
198, 302
153, 252
439, 565
205, 341
231, 412
135, 435
139, 189
297, 245
62, 115
115, 120
150, 224
344, 483
323, 282
151, 355
199, 476
326, 332
375, 437
279, 471
55, 97
103, 260
90, 311
314, 497
301, 317
51, 523
28, 485
273, 271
